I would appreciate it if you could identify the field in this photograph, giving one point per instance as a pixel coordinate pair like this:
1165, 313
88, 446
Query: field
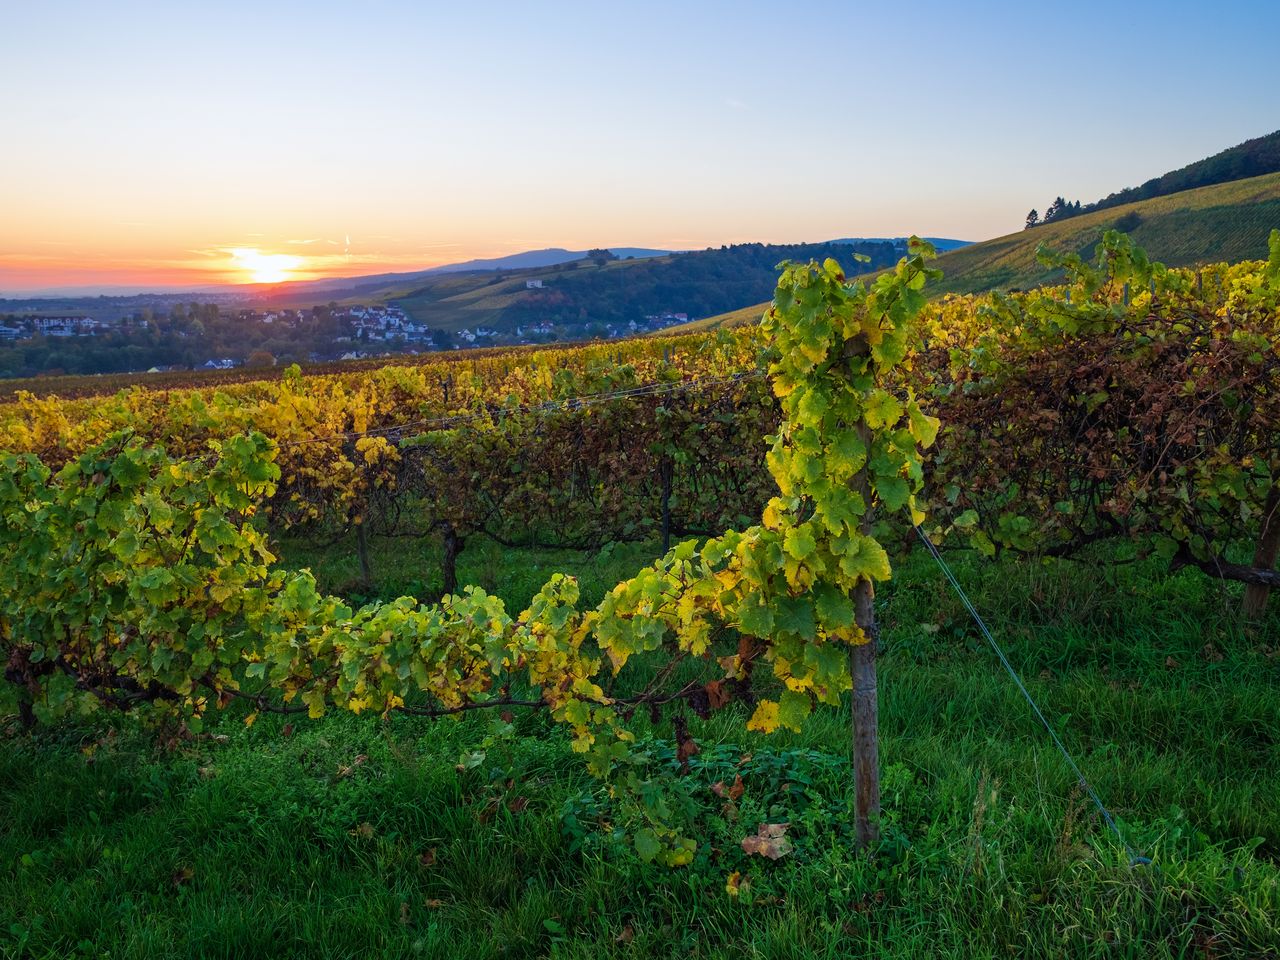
1229, 221
352, 837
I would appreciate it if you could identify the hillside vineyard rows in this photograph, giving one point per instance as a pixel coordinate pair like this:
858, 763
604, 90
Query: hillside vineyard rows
1132, 403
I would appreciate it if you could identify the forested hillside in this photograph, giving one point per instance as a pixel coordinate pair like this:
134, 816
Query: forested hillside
587, 295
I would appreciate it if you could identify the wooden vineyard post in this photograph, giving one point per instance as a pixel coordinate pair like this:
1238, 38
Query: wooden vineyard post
865, 713
865, 717
866, 734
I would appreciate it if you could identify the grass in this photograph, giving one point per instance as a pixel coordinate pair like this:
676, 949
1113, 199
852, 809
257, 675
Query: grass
1224, 222
354, 836
1227, 222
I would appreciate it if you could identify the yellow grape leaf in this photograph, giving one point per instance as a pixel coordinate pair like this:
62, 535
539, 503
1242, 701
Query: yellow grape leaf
765, 719
882, 410
923, 427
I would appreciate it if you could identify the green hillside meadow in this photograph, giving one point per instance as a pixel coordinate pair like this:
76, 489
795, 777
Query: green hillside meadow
1225, 222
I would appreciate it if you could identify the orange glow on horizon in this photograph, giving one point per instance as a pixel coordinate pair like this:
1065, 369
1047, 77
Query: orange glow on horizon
183, 266
262, 267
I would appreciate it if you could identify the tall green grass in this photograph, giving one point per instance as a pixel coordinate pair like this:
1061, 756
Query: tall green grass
355, 836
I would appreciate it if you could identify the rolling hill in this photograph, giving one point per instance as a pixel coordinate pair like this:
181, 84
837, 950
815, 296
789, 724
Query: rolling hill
578, 295
1253, 158
386, 285
1227, 221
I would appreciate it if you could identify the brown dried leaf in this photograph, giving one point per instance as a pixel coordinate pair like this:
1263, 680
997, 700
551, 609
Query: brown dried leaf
731, 792
717, 695
738, 787
769, 841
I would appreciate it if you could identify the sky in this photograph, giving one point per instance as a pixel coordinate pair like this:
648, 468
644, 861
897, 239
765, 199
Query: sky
162, 144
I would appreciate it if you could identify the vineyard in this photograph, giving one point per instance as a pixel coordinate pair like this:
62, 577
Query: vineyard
1100, 459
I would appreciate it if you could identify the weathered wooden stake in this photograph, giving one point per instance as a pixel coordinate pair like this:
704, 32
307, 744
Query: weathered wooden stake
865, 718
866, 721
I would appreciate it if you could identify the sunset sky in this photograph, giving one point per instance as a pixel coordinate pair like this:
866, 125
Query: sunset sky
174, 144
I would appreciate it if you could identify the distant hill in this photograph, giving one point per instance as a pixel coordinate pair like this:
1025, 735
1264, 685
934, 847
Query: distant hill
580, 294
1227, 221
549, 257
372, 284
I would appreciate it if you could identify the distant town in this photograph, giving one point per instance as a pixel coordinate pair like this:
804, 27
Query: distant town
266, 336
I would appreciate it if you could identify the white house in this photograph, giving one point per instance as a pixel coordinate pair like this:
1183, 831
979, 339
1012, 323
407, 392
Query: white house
533, 284
64, 326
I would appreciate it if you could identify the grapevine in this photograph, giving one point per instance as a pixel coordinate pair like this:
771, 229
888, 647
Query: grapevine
142, 578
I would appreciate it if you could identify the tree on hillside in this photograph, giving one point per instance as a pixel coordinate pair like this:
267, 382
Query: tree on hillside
600, 256
1061, 209
1032, 219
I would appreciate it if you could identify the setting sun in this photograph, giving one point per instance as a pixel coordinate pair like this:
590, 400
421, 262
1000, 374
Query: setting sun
265, 267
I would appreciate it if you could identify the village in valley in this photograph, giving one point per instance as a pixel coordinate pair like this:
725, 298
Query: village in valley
332, 332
